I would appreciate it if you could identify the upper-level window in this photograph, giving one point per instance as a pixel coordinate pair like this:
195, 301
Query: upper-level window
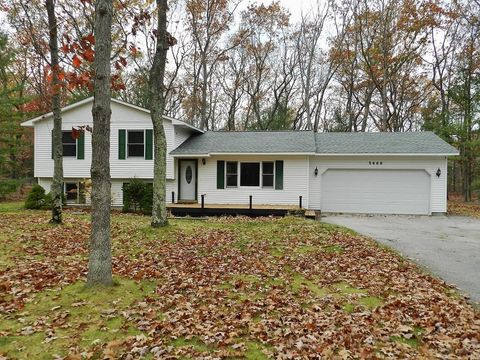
249, 174
232, 174
267, 173
136, 143
69, 144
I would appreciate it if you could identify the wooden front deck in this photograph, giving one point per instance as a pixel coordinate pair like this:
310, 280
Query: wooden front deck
195, 209
232, 206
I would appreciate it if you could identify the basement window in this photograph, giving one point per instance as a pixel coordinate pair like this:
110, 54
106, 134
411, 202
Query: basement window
71, 193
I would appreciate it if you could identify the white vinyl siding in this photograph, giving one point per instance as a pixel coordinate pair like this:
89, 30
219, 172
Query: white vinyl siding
295, 180
117, 193
437, 191
123, 117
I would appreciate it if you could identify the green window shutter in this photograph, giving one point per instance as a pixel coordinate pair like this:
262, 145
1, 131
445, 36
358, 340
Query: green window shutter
220, 174
122, 142
52, 144
279, 175
81, 147
148, 144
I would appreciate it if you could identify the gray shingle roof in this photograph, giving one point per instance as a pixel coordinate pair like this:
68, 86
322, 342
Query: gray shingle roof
269, 142
382, 143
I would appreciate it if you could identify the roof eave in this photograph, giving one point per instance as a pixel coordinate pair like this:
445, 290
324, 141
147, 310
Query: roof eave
244, 153
181, 123
387, 154
31, 122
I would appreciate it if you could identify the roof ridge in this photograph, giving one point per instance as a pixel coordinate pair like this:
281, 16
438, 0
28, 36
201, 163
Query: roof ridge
374, 132
258, 131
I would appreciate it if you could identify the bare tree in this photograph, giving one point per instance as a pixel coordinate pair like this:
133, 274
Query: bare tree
445, 38
392, 36
57, 184
265, 27
157, 106
308, 45
208, 21
100, 260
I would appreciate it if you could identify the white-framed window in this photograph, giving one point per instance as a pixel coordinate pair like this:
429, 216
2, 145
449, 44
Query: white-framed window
231, 174
135, 143
69, 144
268, 174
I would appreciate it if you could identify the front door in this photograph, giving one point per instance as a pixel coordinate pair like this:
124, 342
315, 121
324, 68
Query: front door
187, 180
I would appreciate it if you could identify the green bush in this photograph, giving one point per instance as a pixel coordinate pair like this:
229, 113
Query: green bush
9, 187
38, 199
147, 199
137, 196
35, 198
48, 201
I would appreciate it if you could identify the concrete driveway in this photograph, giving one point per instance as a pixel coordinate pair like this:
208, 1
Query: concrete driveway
448, 246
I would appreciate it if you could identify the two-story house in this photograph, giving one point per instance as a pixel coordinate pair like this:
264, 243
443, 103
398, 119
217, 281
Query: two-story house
396, 173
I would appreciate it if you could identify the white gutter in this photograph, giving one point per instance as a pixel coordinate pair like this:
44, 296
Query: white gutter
242, 154
390, 154
311, 154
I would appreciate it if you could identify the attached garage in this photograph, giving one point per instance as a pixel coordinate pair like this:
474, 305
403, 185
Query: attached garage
379, 173
376, 191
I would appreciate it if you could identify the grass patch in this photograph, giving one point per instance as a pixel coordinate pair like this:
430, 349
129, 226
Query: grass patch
299, 283
9, 207
195, 343
255, 351
370, 302
333, 249
345, 288
413, 339
276, 251
81, 317
306, 249
413, 342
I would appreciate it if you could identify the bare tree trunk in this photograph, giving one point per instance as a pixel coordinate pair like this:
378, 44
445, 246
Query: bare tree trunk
57, 184
157, 106
100, 261
203, 111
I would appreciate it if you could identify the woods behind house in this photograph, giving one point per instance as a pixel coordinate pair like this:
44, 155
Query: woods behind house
379, 65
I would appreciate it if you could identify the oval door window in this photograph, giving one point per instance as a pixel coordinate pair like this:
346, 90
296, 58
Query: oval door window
188, 174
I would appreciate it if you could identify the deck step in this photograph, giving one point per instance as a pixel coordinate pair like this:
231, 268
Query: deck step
310, 214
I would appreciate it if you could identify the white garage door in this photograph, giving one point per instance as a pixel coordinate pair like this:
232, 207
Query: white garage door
376, 191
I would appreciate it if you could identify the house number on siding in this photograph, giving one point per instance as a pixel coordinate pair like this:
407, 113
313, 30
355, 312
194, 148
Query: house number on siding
188, 174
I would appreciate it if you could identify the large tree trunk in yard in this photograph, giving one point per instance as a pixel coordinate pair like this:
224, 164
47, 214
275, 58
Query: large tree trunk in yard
100, 261
157, 106
57, 151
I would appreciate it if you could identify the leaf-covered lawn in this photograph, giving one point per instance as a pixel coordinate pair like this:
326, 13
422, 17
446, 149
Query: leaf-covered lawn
237, 288
464, 209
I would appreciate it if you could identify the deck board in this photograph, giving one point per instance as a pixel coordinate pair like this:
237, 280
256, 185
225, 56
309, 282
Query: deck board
232, 206
185, 209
